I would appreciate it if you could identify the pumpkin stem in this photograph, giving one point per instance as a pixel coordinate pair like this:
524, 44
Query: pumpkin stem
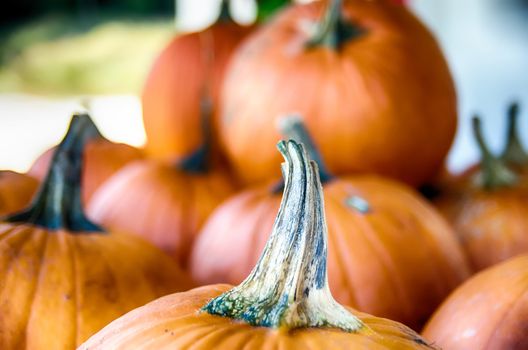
225, 13
494, 173
198, 161
334, 31
288, 288
293, 128
58, 203
514, 152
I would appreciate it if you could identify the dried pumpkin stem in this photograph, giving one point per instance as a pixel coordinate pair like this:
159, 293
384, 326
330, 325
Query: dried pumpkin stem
58, 204
334, 31
494, 173
293, 127
288, 288
514, 152
225, 13
198, 161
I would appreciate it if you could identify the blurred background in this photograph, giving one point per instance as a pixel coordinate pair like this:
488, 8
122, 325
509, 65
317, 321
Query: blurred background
56, 53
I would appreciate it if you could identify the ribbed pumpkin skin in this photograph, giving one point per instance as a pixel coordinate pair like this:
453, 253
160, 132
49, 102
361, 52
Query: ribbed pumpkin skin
159, 203
492, 225
103, 159
489, 311
399, 261
174, 322
57, 289
385, 103
16, 191
177, 83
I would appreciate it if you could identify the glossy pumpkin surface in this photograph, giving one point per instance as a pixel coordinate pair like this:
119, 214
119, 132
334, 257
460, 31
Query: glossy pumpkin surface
159, 202
16, 191
489, 311
190, 67
363, 99
284, 303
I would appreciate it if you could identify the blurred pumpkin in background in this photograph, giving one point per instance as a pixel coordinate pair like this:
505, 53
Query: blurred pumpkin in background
16, 191
487, 207
188, 70
285, 302
489, 311
390, 253
165, 203
369, 78
102, 157
62, 278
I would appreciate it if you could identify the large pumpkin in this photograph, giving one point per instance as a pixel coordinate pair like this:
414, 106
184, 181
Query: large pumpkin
163, 203
487, 207
391, 254
62, 278
285, 303
189, 70
489, 311
16, 191
103, 158
369, 78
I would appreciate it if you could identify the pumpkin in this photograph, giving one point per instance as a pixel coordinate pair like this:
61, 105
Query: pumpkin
175, 199
285, 302
391, 254
489, 311
188, 70
487, 207
62, 278
103, 158
371, 81
16, 191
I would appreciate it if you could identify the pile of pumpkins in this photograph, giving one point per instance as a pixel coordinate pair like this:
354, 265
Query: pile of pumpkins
362, 92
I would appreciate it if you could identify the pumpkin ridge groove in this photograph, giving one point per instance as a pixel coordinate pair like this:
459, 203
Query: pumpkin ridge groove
39, 279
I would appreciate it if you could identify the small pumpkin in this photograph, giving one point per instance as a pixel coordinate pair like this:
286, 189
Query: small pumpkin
16, 191
391, 254
489, 311
487, 207
161, 202
62, 278
285, 302
103, 158
191, 66
358, 76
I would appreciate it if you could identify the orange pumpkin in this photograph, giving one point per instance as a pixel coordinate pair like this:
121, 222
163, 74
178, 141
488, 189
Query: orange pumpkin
16, 191
103, 158
489, 311
370, 80
190, 68
285, 303
163, 203
62, 278
413, 257
487, 207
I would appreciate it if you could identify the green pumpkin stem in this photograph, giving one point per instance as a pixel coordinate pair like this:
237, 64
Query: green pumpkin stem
292, 127
288, 288
58, 204
514, 152
334, 31
225, 13
198, 161
494, 173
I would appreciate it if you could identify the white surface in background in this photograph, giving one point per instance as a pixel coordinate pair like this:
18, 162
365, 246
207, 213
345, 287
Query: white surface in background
30, 125
487, 51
